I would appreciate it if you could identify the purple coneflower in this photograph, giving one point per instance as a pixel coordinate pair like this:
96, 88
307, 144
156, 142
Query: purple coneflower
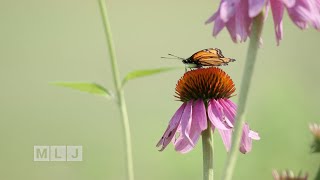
237, 15
205, 95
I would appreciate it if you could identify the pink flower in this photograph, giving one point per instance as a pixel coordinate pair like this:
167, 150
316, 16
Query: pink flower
205, 94
237, 15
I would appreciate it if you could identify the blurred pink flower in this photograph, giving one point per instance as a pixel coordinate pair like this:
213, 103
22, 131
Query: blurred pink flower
196, 88
288, 175
237, 15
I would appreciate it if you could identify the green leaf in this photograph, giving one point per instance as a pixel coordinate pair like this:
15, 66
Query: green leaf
88, 87
146, 72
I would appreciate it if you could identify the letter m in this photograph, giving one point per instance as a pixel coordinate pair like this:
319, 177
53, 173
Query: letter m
41, 153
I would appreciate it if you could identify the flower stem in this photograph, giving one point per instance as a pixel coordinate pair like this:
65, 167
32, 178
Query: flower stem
207, 149
119, 91
246, 79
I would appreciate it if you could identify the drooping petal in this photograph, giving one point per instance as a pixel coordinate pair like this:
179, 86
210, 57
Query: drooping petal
215, 115
218, 23
212, 18
172, 128
199, 114
300, 14
316, 14
218, 26
228, 9
289, 3
277, 12
246, 139
231, 27
226, 138
183, 145
239, 25
231, 105
229, 109
255, 7
266, 10
254, 135
194, 129
186, 121
304, 12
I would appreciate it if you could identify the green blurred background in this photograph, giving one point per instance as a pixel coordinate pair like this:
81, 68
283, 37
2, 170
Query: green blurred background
44, 40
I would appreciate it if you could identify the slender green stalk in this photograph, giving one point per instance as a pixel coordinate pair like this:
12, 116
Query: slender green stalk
207, 149
318, 174
246, 79
119, 91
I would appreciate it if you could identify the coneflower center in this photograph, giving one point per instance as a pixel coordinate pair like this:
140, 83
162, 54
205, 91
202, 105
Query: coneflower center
204, 83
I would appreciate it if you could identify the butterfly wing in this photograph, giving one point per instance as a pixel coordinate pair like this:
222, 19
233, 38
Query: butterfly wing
208, 57
206, 53
212, 61
215, 51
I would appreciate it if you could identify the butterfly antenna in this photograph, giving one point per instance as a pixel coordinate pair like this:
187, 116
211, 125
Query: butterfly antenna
176, 56
173, 57
169, 58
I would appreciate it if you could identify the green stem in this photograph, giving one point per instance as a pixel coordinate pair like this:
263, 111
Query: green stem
246, 79
207, 149
119, 91
318, 174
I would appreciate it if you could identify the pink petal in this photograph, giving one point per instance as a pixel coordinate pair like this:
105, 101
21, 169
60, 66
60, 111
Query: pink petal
226, 138
229, 110
316, 19
218, 26
239, 25
300, 14
289, 3
218, 23
199, 114
277, 11
215, 115
244, 21
231, 104
186, 121
255, 7
246, 139
212, 18
304, 12
194, 129
317, 4
266, 10
172, 128
183, 145
227, 9
254, 135
231, 27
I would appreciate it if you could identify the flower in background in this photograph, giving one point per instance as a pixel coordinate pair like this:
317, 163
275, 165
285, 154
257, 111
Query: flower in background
315, 130
205, 95
288, 175
237, 15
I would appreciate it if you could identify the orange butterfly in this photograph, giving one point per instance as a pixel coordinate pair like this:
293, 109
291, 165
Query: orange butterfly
205, 57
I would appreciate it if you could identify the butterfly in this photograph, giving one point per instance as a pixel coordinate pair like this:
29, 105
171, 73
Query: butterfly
205, 57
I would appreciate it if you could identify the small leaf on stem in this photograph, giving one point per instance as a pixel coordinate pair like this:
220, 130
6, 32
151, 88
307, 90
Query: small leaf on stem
146, 72
88, 87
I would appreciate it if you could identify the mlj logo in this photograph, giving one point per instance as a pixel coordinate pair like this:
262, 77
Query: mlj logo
57, 153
